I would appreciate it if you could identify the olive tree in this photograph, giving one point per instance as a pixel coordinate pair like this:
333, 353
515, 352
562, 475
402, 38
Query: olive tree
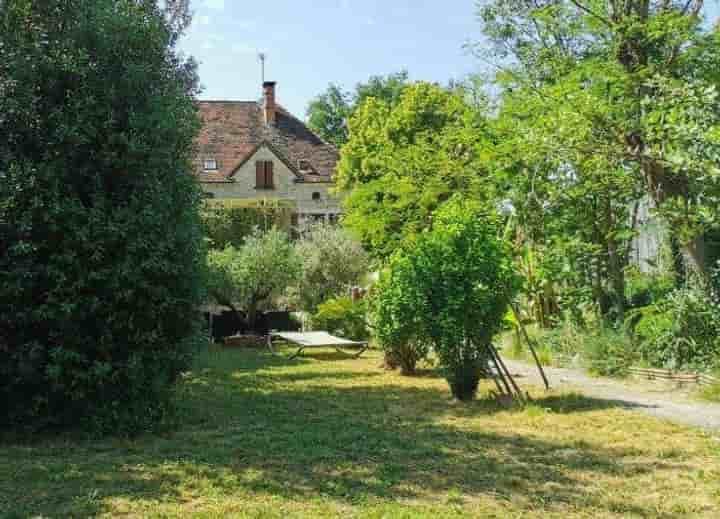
332, 262
250, 278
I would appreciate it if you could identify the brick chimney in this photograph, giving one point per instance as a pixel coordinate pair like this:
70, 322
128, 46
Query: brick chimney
270, 107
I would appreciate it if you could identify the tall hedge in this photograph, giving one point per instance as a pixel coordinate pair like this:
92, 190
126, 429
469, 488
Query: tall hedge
100, 242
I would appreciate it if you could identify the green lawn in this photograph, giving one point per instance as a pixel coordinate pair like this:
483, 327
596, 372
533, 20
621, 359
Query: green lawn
326, 436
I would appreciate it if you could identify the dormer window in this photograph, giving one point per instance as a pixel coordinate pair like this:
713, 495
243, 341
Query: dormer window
210, 165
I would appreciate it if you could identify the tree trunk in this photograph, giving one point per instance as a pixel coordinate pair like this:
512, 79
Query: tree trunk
252, 312
633, 55
224, 302
661, 188
616, 274
694, 253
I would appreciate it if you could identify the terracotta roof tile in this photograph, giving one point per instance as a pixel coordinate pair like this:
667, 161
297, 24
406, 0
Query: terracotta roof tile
232, 130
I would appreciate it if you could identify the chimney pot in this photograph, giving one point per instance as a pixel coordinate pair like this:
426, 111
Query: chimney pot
269, 98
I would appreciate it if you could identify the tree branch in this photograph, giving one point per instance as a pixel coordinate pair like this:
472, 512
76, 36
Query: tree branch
592, 13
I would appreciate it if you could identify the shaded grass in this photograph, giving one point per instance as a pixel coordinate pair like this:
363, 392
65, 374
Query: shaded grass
328, 436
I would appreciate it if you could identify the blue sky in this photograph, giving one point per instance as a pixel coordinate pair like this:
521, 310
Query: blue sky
310, 43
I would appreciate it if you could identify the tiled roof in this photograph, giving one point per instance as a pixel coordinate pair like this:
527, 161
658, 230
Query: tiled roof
233, 130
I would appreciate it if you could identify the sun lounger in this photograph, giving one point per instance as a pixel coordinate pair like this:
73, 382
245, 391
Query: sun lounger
306, 340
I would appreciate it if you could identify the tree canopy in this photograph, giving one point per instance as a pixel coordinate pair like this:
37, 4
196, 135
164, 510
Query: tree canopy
604, 104
329, 112
403, 160
332, 263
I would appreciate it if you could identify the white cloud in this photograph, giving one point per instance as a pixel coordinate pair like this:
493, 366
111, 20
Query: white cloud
203, 20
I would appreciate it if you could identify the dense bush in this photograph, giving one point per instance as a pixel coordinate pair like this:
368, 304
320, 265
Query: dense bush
571, 344
344, 317
332, 262
230, 222
644, 289
100, 245
449, 290
608, 352
680, 332
396, 317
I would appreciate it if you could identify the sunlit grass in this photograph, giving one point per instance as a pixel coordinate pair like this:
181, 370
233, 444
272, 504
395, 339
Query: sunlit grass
328, 436
710, 393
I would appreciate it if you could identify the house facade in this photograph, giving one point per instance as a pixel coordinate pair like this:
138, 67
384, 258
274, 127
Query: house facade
251, 150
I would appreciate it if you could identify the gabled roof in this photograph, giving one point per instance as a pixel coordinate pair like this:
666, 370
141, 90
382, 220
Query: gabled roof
233, 131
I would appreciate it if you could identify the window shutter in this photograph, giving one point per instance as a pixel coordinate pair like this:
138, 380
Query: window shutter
259, 174
269, 175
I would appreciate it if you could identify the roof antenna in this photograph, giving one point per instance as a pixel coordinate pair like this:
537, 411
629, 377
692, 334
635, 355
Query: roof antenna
262, 57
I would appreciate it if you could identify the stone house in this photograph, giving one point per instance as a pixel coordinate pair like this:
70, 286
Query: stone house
250, 150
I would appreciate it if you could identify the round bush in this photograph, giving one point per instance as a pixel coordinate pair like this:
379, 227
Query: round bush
449, 290
396, 315
343, 316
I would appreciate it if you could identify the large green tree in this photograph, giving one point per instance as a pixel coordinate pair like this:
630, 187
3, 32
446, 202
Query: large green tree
403, 160
329, 112
100, 242
620, 94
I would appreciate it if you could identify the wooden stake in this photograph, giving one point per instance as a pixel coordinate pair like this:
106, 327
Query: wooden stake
519, 393
528, 341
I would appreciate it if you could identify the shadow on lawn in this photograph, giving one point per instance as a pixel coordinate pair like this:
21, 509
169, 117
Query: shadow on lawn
348, 443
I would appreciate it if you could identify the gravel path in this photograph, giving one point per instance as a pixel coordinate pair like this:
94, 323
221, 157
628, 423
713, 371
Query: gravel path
653, 398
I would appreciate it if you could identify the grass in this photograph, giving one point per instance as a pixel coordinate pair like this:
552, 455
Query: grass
710, 393
327, 436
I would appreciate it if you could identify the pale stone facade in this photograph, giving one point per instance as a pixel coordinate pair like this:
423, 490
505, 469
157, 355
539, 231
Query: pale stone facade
313, 200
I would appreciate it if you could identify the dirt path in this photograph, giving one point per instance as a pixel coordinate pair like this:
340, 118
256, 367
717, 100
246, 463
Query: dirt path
654, 398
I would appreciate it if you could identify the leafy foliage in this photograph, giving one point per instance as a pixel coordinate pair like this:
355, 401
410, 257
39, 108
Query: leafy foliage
645, 289
450, 291
329, 112
403, 161
100, 244
620, 96
229, 222
251, 278
397, 320
608, 352
680, 332
332, 263
327, 115
344, 317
